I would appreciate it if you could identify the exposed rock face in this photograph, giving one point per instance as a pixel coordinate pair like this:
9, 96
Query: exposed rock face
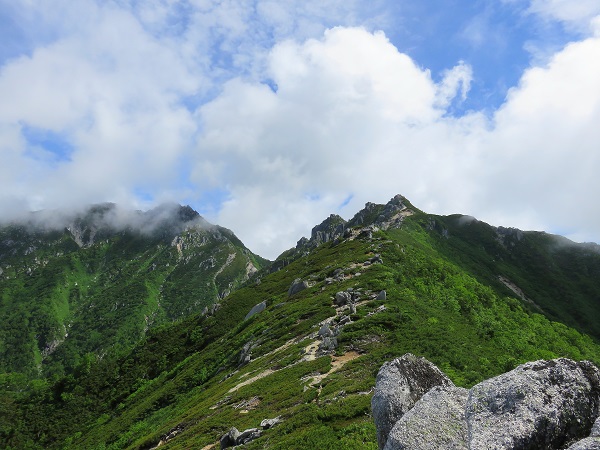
399, 385
328, 230
270, 423
538, 405
596, 428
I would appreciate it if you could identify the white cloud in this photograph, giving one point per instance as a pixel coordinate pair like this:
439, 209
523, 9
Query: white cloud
455, 79
577, 14
545, 140
352, 115
344, 114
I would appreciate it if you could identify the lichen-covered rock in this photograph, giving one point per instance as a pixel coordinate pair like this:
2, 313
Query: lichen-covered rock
399, 385
436, 421
596, 428
541, 404
589, 443
328, 345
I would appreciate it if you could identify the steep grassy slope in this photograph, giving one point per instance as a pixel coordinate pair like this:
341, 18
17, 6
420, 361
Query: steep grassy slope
185, 384
551, 274
92, 288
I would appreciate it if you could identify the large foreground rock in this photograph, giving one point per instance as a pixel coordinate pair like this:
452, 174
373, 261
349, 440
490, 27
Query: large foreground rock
399, 385
435, 422
539, 405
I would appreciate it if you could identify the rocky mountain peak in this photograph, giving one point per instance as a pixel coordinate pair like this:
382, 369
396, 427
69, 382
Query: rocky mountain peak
390, 215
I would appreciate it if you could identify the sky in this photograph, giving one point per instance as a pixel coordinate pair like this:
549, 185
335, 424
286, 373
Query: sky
267, 116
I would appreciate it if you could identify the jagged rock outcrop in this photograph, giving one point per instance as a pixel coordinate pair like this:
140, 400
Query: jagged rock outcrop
385, 216
328, 230
371, 218
540, 404
399, 385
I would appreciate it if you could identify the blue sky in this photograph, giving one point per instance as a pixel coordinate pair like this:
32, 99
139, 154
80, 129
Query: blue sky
267, 116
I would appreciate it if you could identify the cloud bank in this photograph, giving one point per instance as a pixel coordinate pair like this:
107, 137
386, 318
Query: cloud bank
268, 118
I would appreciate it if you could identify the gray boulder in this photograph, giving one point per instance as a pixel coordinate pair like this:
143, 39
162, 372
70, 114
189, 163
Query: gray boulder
270, 423
540, 404
248, 435
297, 286
328, 345
343, 298
229, 439
325, 330
399, 385
589, 443
437, 421
260, 307
381, 296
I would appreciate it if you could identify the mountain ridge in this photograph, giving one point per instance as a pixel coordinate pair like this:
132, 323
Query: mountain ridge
309, 356
108, 262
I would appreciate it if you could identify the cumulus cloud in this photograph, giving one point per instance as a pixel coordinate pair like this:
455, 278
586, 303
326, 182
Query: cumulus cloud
287, 119
353, 116
578, 14
350, 115
545, 139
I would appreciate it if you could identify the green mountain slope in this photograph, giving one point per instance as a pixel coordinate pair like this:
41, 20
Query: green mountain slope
390, 281
80, 287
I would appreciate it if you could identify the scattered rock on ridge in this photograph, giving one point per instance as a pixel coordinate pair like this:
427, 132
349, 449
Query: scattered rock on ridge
270, 423
258, 308
297, 286
229, 439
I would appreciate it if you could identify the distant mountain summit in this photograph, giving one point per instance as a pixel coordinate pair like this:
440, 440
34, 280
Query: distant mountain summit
96, 281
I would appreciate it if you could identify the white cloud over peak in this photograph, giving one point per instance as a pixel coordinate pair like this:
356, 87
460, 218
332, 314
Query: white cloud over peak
352, 116
280, 118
